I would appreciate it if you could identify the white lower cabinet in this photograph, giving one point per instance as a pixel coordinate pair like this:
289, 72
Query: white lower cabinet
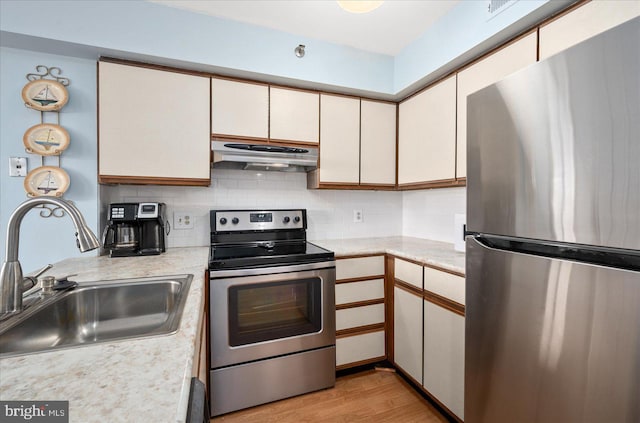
359, 348
407, 332
444, 357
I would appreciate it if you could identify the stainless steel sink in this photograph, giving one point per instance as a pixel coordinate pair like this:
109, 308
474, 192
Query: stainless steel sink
98, 312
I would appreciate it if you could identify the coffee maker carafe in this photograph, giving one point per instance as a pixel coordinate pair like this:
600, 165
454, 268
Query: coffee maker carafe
135, 229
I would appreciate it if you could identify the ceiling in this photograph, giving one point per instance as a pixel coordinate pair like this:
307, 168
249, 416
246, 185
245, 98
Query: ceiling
385, 30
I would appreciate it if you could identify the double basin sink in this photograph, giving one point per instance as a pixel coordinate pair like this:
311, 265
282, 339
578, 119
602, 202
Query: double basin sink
97, 312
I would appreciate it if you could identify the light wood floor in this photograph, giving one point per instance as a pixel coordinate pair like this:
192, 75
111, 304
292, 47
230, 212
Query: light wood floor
374, 396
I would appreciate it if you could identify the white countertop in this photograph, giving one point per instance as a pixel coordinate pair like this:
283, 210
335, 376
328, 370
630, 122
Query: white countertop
140, 380
431, 253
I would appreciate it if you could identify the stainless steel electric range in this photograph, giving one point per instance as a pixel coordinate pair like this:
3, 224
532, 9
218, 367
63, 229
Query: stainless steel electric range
271, 309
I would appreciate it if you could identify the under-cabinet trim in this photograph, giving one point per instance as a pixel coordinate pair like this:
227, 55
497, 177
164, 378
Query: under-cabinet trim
360, 279
358, 304
153, 180
360, 363
360, 330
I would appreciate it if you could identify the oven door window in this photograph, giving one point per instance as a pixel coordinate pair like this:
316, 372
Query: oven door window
267, 311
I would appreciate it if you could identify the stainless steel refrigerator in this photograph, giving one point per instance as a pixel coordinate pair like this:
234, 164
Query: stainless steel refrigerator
553, 254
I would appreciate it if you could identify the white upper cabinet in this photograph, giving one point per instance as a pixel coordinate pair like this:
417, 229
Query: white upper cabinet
584, 22
239, 109
487, 71
339, 139
294, 115
427, 135
377, 142
154, 126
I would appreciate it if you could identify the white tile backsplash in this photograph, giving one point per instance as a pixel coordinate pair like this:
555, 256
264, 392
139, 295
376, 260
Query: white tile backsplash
330, 212
431, 213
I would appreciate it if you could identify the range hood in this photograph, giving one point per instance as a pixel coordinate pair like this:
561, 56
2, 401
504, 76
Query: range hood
240, 155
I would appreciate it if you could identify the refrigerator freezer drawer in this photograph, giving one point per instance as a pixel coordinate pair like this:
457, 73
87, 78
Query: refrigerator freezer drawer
550, 340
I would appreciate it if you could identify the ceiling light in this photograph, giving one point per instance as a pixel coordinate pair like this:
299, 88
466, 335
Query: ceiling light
359, 6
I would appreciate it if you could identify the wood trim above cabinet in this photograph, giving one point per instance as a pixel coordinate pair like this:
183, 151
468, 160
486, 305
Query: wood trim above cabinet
444, 302
360, 330
360, 304
405, 286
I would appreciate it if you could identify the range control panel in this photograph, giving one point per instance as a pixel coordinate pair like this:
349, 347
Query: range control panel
257, 220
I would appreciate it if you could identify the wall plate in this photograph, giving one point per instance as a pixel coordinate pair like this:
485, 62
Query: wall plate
17, 166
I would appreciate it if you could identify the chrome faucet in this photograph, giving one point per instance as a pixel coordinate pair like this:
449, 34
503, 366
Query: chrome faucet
11, 280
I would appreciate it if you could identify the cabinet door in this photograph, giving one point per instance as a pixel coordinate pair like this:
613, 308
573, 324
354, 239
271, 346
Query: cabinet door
294, 115
153, 126
339, 139
407, 332
239, 109
427, 135
444, 356
491, 69
377, 142
584, 22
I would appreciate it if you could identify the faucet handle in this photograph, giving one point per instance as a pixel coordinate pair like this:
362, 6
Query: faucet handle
29, 282
41, 271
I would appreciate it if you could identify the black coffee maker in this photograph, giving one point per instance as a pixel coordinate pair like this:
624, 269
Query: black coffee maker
135, 229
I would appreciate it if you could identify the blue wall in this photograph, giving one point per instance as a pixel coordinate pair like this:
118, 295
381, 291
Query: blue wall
154, 30
49, 240
149, 31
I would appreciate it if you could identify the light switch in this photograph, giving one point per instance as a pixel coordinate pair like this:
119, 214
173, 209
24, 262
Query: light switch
17, 166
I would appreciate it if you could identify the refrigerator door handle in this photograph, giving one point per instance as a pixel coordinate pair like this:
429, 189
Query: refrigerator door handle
591, 254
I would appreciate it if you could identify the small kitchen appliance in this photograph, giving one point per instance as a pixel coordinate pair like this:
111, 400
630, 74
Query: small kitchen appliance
135, 229
271, 309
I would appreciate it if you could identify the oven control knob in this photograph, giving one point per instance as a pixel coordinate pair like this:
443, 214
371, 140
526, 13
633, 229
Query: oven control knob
296, 219
235, 220
286, 219
223, 220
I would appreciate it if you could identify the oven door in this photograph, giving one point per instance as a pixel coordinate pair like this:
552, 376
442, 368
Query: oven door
261, 313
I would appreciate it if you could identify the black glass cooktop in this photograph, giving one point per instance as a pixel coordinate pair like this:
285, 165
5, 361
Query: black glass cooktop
265, 254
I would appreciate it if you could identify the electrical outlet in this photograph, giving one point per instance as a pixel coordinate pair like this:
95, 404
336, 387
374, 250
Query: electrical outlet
357, 216
183, 220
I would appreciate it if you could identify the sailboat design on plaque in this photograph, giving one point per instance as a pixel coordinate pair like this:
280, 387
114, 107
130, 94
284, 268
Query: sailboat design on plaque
46, 180
46, 96
47, 139
48, 183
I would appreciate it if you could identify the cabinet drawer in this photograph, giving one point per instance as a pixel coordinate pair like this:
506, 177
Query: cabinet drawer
359, 316
353, 292
445, 284
408, 272
356, 348
359, 267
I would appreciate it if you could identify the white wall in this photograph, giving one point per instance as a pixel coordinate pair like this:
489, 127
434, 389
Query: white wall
330, 212
430, 213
